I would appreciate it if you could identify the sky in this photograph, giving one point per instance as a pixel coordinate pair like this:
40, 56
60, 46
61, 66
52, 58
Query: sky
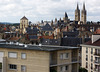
47, 10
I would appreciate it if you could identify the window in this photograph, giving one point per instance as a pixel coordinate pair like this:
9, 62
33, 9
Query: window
86, 57
61, 68
23, 68
91, 58
12, 66
61, 56
23, 55
86, 65
91, 66
91, 50
12, 55
86, 50
66, 55
66, 67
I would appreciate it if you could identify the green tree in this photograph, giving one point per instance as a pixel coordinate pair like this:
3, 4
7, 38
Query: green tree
82, 69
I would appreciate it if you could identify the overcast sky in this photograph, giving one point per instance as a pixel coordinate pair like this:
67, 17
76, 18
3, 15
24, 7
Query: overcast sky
37, 10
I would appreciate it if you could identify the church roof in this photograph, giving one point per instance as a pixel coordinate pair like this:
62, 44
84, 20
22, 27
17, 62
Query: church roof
24, 18
47, 27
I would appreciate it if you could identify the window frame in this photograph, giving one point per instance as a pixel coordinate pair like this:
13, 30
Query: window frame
12, 67
13, 57
25, 55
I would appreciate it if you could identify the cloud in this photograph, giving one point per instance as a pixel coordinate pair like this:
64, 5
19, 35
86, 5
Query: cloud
37, 10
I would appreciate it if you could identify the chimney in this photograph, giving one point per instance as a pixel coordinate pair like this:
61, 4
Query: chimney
95, 37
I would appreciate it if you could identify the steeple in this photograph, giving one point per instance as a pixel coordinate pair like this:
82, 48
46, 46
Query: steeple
77, 7
83, 14
77, 13
66, 16
84, 6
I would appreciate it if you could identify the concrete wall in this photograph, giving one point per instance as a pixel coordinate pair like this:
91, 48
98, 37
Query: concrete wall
36, 61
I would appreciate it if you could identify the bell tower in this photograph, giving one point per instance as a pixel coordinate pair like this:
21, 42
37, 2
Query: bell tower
83, 14
77, 13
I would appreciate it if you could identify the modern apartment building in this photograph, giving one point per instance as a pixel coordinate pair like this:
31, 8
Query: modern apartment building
91, 54
27, 58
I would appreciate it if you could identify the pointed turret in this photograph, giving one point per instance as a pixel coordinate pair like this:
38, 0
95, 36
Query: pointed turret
77, 7
83, 6
66, 16
77, 13
83, 14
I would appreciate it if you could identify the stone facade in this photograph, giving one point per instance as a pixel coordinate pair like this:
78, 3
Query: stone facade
23, 24
83, 15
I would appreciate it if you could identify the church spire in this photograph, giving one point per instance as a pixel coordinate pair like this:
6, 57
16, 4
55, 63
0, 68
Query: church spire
77, 7
84, 6
66, 15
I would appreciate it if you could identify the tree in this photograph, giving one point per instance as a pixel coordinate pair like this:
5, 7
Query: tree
82, 69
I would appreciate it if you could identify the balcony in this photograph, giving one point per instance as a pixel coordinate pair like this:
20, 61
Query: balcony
53, 62
97, 62
74, 59
98, 54
96, 69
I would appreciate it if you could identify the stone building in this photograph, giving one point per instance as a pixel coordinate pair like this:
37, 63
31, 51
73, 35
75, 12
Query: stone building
77, 14
33, 58
23, 24
83, 14
91, 54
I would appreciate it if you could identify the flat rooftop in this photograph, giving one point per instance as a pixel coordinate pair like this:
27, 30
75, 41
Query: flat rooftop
36, 47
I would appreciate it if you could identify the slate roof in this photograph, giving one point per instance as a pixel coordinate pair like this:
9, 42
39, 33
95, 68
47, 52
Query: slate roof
37, 47
71, 41
71, 34
47, 27
24, 18
33, 37
32, 31
51, 42
96, 43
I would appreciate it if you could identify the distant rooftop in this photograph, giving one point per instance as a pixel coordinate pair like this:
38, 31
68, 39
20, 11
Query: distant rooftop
24, 18
36, 47
96, 43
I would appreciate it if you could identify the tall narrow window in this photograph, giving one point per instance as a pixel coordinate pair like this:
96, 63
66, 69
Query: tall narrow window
91, 50
86, 57
86, 50
86, 65
23, 68
91, 66
61, 56
91, 58
66, 55
23, 55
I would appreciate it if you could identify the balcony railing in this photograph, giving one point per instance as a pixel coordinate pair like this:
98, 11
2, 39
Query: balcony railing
74, 59
97, 62
53, 62
98, 54
96, 69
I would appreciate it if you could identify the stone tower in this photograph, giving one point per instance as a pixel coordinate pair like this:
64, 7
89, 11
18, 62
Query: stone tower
65, 18
83, 14
77, 13
23, 23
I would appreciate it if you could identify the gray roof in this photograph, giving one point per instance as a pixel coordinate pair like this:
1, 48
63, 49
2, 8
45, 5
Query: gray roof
47, 27
37, 47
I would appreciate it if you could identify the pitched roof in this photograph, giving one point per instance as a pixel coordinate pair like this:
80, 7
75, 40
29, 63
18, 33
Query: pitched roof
96, 43
47, 27
32, 31
24, 18
33, 37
